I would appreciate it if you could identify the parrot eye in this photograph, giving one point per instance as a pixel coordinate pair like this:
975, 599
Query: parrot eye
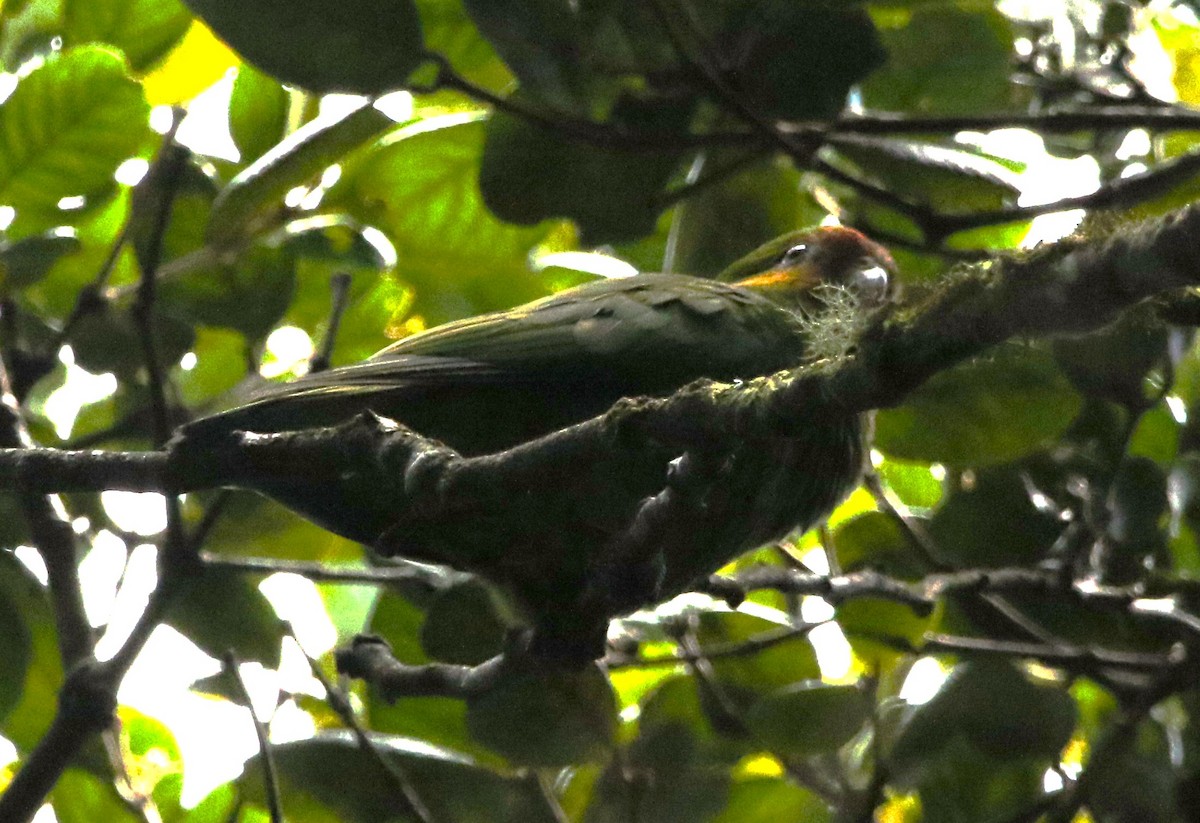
794, 255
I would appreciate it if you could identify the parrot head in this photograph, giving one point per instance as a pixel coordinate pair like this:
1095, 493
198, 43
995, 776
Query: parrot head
801, 269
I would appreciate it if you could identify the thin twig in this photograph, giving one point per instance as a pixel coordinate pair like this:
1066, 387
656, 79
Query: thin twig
229, 663
744, 648
339, 289
589, 132
432, 580
542, 783
91, 296
394, 771
167, 178
800, 148
806, 773
719, 175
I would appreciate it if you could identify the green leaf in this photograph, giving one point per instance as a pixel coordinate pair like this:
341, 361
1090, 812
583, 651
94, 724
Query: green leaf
540, 42
16, 643
946, 179
249, 294
992, 522
81, 797
576, 717
746, 677
145, 30
685, 762
961, 784
374, 296
335, 770
219, 806
675, 705
1112, 363
809, 717
153, 755
530, 173
223, 609
30, 27
996, 709
12, 8
986, 411
1157, 436
220, 364
465, 624
440, 721
181, 185
56, 294
944, 59
1127, 785
867, 622
41, 674
253, 525
450, 32
107, 340
766, 49
258, 112
718, 224
66, 128
27, 261
874, 540
361, 46
420, 186
564, 54
914, 483
769, 800
253, 199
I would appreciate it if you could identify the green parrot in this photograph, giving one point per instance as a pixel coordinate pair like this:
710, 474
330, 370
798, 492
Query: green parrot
487, 383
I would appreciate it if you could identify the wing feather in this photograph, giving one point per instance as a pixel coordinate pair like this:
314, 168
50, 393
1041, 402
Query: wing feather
578, 352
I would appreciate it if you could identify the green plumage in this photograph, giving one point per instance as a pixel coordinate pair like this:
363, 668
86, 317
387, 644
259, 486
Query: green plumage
487, 383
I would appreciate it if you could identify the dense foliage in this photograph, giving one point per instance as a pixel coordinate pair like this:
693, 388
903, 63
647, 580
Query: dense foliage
1000, 624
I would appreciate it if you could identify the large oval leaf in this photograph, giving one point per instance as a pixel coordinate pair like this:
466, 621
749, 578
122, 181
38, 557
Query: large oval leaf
223, 610
996, 709
951, 179
420, 186
464, 624
363, 46
943, 58
27, 261
15, 641
65, 129
337, 771
809, 717
305, 153
992, 521
576, 717
987, 411
258, 112
145, 30
531, 173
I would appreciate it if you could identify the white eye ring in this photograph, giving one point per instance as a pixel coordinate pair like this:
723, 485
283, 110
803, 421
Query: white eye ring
794, 255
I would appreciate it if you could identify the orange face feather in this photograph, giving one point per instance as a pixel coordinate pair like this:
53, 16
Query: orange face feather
832, 255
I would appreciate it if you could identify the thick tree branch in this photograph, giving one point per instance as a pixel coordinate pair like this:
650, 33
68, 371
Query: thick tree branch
1072, 287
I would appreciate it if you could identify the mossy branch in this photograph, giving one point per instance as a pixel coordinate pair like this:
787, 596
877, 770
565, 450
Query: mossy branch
1071, 287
